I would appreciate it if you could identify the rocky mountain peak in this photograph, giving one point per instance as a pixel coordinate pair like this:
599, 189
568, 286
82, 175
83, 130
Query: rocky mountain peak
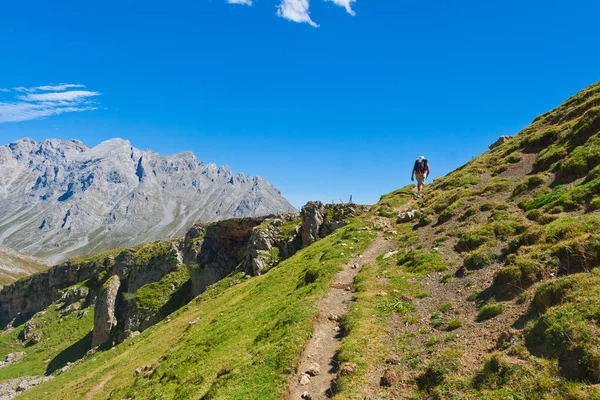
60, 198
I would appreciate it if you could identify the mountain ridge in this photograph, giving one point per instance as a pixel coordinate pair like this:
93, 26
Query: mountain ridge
61, 198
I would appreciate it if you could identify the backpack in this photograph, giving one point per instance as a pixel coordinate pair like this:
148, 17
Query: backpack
421, 165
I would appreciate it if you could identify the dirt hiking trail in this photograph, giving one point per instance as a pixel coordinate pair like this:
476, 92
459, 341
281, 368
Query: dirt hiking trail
317, 372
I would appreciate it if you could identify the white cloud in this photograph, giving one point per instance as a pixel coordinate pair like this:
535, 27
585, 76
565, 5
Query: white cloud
57, 101
247, 2
49, 88
347, 4
72, 95
295, 10
60, 86
3, 90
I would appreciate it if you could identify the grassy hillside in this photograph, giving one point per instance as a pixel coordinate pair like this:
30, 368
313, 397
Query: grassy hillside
239, 340
493, 292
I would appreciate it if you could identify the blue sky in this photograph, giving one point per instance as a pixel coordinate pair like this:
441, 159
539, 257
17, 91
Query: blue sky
322, 103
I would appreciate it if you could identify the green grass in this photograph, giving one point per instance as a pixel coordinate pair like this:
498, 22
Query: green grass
66, 337
419, 261
154, 296
146, 252
479, 259
444, 308
453, 324
489, 311
570, 310
389, 204
254, 329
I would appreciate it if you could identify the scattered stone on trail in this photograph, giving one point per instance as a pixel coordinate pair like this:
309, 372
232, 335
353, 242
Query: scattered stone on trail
407, 216
306, 396
194, 322
394, 359
389, 254
501, 140
314, 369
389, 378
348, 369
304, 379
333, 317
355, 266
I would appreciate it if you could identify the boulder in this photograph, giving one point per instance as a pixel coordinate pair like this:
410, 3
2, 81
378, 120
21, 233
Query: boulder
104, 312
31, 333
14, 357
408, 216
314, 369
501, 140
348, 369
304, 379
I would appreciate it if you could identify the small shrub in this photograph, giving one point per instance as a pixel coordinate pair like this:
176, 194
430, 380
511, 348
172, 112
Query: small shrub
453, 325
521, 272
550, 294
478, 259
432, 341
514, 158
451, 337
495, 373
470, 212
595, 204
445, 307
473, 296
472, 240
496, 185
489, 311
421, 294
533, 215
446, 278
445, 364
418, 261
437, 324
410, 319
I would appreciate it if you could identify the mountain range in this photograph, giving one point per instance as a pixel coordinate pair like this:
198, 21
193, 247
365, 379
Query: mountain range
61, 198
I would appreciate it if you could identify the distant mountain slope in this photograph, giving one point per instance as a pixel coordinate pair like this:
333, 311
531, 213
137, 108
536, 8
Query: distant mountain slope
61, 198
14, 265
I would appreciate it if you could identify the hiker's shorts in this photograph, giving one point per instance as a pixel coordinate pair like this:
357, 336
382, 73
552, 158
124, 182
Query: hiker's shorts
420, 178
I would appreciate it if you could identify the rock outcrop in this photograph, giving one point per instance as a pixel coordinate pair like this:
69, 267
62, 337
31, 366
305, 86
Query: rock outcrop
104, 312
60, 198
219, 252
501, 140
137, 287
272, 242
320, 220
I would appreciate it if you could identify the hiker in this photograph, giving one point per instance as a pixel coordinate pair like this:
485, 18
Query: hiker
421, 170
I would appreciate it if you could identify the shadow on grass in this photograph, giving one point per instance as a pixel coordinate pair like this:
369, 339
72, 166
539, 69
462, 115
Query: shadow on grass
71, 354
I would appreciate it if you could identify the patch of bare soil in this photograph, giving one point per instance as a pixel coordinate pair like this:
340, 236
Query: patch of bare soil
317, 371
